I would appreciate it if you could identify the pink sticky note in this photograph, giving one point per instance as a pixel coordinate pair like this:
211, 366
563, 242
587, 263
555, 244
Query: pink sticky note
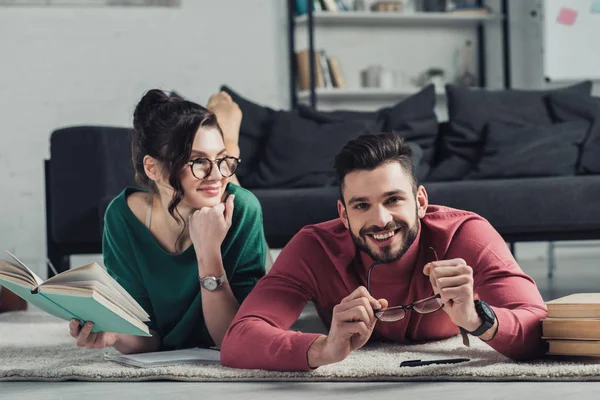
566, 16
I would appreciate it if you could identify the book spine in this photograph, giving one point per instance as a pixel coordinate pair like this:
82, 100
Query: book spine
330, 5
327, 82
336, 72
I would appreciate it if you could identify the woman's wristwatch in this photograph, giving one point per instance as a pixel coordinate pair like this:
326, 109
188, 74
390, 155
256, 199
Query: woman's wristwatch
212, 282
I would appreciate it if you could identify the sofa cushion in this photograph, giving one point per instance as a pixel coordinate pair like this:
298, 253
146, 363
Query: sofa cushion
299, 152
287, 211
512, 150
470, 110
413, 118
325, 117
254, 130
525, 208
575, 107
104, 154
547, 206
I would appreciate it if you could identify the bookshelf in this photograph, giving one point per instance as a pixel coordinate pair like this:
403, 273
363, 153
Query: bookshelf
366, 24
356, 18
336, 94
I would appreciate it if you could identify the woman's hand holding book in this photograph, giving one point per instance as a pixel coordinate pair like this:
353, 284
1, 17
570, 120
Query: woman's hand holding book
92, 340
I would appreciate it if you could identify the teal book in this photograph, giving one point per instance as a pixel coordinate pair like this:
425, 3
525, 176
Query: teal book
87, 293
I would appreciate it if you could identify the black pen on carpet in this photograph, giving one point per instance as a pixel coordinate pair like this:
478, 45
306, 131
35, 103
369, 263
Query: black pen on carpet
419, 363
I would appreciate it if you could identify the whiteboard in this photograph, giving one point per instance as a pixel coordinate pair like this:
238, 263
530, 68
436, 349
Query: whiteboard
571, 41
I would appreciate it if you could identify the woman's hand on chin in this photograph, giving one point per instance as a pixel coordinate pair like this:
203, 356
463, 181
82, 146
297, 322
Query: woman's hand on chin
209, 226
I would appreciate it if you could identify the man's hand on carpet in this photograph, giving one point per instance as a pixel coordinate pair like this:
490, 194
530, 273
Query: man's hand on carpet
453, 280
351, 327
92, 340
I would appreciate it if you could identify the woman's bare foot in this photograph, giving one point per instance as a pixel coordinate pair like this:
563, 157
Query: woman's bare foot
229, 116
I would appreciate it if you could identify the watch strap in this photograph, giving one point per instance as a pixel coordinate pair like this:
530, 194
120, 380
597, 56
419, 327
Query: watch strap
486, 321
486, 324
465, 337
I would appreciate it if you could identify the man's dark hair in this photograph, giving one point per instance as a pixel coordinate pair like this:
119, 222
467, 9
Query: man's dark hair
370, 151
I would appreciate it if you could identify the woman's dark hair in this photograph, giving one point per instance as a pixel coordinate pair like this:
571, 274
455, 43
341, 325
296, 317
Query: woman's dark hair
371, 151
164, 128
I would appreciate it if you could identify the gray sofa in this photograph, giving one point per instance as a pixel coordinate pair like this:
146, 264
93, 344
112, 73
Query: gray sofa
287, 164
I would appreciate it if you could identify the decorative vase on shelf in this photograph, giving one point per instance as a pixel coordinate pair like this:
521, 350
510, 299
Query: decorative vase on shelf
467, 78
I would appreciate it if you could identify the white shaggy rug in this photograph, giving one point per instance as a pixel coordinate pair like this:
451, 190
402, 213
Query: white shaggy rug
36, 347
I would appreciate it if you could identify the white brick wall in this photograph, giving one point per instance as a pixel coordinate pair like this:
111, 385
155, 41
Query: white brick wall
65, 66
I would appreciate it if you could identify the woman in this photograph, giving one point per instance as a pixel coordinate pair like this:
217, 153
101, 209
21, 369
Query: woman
190, 247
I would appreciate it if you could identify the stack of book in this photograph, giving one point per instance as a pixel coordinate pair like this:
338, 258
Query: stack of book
328, 72
573, 325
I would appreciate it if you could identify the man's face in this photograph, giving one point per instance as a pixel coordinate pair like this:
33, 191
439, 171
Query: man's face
381, 212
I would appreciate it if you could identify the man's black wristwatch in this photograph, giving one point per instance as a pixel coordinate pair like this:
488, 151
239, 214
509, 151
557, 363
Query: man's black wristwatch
486, 314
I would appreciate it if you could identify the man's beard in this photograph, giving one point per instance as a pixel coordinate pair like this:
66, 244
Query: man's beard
386, 255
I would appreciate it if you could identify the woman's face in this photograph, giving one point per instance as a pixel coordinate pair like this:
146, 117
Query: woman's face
204, 192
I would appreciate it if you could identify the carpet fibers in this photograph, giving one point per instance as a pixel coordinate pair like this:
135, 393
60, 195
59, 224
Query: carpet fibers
36, 347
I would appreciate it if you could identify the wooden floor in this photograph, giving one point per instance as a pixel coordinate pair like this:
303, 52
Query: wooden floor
578, 270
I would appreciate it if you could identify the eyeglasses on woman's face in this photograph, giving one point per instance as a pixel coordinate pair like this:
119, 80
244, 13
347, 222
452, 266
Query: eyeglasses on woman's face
202, 167
424, 306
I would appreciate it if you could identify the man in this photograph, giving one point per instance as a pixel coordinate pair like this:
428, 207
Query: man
388, 248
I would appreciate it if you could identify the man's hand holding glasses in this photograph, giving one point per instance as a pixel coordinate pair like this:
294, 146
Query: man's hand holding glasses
452, 280
352, 324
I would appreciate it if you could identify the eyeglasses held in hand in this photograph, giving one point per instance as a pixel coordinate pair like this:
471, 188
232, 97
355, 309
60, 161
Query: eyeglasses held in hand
425, 306
202, 167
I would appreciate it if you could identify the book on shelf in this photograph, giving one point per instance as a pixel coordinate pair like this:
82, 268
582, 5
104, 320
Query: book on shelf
574, 347
302, 6
303, 64
330, 5
168, 358
87, 293
387, 6
470, 11
341, 5
578, 305
571, 328
337, 77
327, 81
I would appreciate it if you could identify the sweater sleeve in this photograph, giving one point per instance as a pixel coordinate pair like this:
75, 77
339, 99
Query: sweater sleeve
259, 336
247, 249
500, 282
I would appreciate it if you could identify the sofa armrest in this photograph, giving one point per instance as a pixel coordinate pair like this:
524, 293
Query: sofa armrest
87, 163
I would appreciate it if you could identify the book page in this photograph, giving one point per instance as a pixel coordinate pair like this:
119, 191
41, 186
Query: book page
38, 281
86, 288
94, 272
166, 358
12, 272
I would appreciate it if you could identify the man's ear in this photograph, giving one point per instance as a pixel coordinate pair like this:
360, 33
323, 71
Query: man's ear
422, 201
152, 168
343, 213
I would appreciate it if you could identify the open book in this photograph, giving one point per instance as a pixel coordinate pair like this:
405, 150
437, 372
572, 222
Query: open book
167, 358
87, 293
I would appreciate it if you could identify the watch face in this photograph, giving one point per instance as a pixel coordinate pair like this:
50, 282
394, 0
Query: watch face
489, 313
209, 283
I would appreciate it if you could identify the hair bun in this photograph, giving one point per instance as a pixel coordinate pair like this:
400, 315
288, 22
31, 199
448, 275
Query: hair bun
146, 108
